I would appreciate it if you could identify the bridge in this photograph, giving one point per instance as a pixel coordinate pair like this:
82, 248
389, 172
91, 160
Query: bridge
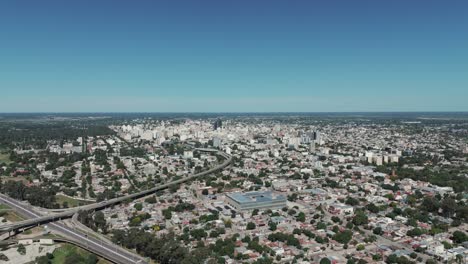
103, 249
86, 246
98, 206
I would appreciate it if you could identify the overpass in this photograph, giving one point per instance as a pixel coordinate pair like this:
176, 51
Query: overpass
85, 246
109, 251
35, 221
100, 247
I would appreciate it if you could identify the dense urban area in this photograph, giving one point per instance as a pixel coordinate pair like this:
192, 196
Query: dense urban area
300, 188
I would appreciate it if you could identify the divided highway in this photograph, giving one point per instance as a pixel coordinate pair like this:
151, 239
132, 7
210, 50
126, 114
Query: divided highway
97, 206
109, 251
101, 248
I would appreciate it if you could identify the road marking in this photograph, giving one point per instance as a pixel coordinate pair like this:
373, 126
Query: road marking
119, 199
69, 231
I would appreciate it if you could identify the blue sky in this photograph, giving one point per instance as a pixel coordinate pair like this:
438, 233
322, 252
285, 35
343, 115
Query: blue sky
233, 56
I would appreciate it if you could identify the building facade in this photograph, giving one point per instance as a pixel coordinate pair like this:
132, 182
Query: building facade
255, 200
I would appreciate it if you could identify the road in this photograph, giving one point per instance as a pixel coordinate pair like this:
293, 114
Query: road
381, 240
108, 251
98, 206
99, 247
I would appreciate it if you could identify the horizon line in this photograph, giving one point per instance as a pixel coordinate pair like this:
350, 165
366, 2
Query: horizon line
230, 112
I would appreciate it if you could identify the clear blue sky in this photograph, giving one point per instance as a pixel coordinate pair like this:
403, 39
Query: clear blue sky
224, 56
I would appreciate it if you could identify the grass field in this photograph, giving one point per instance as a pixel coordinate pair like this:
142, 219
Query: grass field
12, 216
65, 250
61, 254
9, 215
71, 202
4, 156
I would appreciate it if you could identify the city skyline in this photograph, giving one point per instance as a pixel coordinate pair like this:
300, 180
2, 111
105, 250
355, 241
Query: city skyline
114, 56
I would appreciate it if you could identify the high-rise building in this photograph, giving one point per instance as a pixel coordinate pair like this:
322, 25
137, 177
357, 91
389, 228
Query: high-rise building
217, 124
317, 137
312, 146
306, 138
216, 142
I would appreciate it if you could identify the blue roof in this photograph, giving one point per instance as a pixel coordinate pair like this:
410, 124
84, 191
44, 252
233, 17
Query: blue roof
255, 197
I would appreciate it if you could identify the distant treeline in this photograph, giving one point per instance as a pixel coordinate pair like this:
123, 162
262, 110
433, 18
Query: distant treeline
36, 195
37, 134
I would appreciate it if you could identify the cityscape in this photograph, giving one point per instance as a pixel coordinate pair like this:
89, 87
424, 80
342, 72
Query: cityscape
234, 132
247, 188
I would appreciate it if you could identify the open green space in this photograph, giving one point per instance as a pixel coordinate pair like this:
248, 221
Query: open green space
10, 215
70, 202
72, 254
4, 156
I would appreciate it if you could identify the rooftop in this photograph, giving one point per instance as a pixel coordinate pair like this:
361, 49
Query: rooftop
249, 197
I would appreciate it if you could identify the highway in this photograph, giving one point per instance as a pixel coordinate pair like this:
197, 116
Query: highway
97, 206
109, 251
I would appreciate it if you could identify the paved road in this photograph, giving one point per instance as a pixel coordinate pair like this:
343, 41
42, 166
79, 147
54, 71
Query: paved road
97, 206
381, 240
109, 251
106, 250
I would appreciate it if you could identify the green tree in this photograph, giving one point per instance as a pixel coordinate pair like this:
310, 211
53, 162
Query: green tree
373, 208
21, 249
74, 257
321, 225
100, 221
448, 206
167, 213
352, 201
459, 237
360, 218
138, 206
343, 237
251, 226
3, 257
42, 260
92, 259
415, 232
378, 231
300, 217
151, 200
272, 226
